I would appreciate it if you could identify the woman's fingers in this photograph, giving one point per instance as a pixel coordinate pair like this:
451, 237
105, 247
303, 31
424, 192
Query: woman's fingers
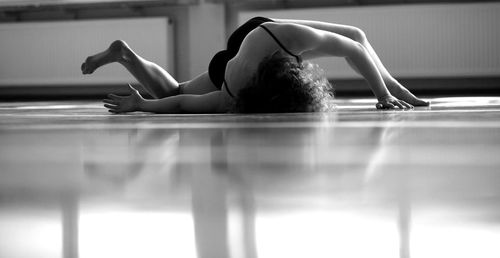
403, 105
113, 106
398, 104
393, 105
386, 105
406, 105
390, 105
121, 104
115, 97
110, 101
115, 110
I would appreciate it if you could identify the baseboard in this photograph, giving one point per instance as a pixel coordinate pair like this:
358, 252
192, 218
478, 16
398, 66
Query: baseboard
486, 86
61, 92
489, 86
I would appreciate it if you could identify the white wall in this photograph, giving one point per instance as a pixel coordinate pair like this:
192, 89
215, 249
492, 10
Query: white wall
182, 44
54, 2
206, 36
51, 53
417, 41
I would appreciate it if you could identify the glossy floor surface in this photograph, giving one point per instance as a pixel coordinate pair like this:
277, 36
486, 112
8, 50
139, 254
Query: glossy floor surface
78, 182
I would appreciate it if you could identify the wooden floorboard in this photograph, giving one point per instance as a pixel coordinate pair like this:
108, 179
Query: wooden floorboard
76, 181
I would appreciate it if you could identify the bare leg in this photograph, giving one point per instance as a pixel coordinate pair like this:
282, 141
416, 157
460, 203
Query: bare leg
156, 81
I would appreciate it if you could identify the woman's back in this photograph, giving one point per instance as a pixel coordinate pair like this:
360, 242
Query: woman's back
256, 46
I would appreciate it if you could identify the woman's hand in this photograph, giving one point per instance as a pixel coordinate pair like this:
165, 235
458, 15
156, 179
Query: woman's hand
121, 104
399, 91
390, 102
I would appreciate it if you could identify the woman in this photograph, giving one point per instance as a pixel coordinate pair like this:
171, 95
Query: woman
262, 70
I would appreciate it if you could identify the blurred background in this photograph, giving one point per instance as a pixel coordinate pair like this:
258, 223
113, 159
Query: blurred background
433, 47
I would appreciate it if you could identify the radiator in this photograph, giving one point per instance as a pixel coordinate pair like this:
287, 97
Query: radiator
51, 53
416, 41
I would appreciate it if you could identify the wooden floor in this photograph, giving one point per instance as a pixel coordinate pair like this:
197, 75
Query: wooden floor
78, 182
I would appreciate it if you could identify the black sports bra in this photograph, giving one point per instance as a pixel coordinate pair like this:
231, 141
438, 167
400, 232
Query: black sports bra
299, 60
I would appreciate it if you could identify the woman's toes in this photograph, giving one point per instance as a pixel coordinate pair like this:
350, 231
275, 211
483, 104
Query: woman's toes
87, 68
84, 68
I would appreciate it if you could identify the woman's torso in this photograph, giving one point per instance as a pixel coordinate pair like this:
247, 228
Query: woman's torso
257, 45
218, 64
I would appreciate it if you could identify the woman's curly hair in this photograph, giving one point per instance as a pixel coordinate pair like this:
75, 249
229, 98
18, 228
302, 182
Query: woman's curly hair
283, 85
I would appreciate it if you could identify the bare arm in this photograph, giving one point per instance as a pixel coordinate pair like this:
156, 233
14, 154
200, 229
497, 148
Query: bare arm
186, 104
326, 26
301, 38
213, 102
358, 35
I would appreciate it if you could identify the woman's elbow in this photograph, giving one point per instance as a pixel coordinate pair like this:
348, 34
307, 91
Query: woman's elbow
356, 50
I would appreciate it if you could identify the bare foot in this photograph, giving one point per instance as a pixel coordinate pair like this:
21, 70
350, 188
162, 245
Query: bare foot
400, 92
115, 53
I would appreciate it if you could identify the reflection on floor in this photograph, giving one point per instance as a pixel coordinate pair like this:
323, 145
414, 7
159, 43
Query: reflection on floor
77, 182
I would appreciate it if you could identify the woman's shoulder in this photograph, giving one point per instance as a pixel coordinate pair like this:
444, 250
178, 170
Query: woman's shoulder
287, 33
259, 36
256, 44
284, 26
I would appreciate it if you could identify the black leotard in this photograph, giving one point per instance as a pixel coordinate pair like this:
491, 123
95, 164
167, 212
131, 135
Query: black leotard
217, 66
